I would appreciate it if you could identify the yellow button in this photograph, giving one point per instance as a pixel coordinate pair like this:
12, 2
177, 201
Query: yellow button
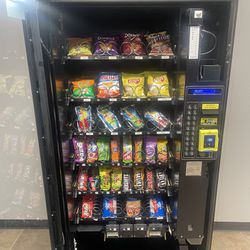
210, 106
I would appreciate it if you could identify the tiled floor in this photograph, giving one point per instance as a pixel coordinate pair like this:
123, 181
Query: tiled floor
38, 239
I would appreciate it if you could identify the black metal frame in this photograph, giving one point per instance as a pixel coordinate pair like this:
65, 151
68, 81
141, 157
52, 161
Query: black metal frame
47, 126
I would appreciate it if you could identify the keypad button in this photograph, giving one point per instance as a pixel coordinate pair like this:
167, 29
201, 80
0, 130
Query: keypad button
195, 112
187, 133
192, 139
192, 143
193, 128
188, 117
192, 148
192, 133
186, 143
188, 123
193, 123
195, 106
186, 153
194, 117
189, 106
188, 128
187, 139
189, 112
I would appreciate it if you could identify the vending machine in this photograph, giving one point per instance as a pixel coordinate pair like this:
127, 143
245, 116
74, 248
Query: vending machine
130, 100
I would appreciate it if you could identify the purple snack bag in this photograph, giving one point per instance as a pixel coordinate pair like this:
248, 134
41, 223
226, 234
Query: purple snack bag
79, 149
106, 46
150, 148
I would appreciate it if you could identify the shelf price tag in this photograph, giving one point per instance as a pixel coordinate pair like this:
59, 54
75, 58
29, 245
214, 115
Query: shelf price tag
84, 57
86, 100
114, 133
89, 133
138, 57
113, 99
164, 99
163, 132
112, 57
164, 57
138, 133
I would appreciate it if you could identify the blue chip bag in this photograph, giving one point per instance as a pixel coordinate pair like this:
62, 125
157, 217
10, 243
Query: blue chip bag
156, 207
109, 209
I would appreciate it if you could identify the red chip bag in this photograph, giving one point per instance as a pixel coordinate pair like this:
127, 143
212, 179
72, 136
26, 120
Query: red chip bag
132, 44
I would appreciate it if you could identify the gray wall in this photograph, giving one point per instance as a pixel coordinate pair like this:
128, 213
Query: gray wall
233, 200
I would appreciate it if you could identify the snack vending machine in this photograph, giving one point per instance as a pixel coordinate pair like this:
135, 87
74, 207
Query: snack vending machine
130, 100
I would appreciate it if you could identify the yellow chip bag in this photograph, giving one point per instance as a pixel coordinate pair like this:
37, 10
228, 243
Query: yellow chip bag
181, 79
158, 84
133, 85
162, 150
79, 47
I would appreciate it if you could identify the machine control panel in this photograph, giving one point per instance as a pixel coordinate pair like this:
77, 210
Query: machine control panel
202, 122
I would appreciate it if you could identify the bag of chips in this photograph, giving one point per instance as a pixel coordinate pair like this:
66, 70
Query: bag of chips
139, 178
150, 149
85, 122
108, 85
138, 149
133, 207
160, 121
108, 118
83, 88
87, 207
82, 180
159, 44
94, 180
158, 84
115, 149
105, 180
103, 149
127, 154
78, 47
92, 151
132, 45
116, 179
79, 146
133, 85
162, 151
132, 117
109, 208
106, 46
156, 207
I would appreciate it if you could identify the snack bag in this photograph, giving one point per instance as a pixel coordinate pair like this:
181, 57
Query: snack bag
162, 151
109, 208
82, 180
79, 47
133, 207
116, 179
132, 117
103, 149
83, 88
79, 149
158, 84
150, 183
108, 85
156, 207
161, 179
104, 173
139, 178
92, 151
177, 149
150, 149
127, 154
106, 46
87, 207
160, 121
133, 85
115, 149
126, 181
159, 44
94, 180
85, 122
108, 118
132, 45
138, 149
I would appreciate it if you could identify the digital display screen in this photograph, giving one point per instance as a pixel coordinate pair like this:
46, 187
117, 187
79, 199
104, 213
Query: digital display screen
205, 91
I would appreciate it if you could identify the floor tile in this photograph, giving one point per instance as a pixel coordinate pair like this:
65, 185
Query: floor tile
33, 239
8, 237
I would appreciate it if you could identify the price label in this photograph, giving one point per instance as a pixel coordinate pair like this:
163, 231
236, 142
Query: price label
164, 99
163, 132
114, 133
138, 99
138, 57
112, 57
113, 99
84, 57
89, 133
87, 100
164, 57
138, 133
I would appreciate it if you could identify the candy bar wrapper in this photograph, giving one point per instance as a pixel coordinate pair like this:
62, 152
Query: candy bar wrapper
92, 151
94, 180
82, 180
108, 117
132, 117
139, 178
79, 150
106, 46
126, 181
108, 85
109, 209
160, 121
105, 178
138, 149
116, 178
133, 207
150, 181
127, 154
103, 149
150, 149
87, 207
156, 207
83, 88
79, 47
115, 149
85, 121
162, 151
161, 179
132, 44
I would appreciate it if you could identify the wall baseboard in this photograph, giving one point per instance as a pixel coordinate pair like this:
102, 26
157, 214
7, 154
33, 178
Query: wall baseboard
23, 223
236, 226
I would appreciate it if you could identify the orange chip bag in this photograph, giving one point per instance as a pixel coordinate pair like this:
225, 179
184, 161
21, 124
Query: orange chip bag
138, 149
115, 150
